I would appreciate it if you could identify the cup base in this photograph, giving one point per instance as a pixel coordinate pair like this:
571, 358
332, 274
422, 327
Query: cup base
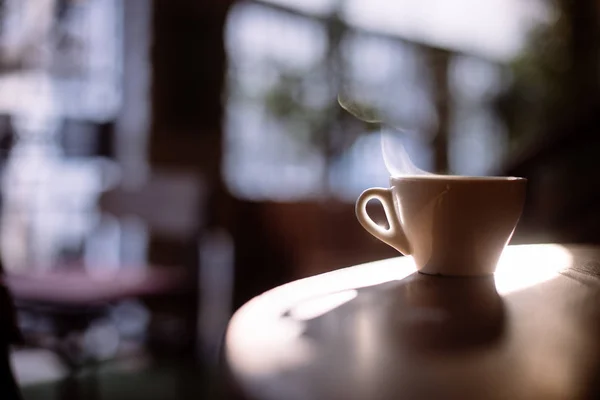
465, 275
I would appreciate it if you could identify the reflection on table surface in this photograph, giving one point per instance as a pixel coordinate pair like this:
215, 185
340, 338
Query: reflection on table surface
378, 329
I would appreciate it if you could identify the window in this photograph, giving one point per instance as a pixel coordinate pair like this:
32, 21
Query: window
286, 137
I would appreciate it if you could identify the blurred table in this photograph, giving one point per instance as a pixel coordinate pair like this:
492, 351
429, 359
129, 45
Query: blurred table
73, 299
78, 288
70, 301
383, 331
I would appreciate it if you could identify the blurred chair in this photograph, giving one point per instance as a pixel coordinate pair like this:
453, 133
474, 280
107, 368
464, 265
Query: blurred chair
171, 206
77, 314
9, 335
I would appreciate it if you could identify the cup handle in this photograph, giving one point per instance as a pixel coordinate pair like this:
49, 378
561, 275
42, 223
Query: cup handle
394, 236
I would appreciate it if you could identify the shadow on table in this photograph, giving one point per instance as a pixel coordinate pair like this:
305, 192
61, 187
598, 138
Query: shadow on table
419, 313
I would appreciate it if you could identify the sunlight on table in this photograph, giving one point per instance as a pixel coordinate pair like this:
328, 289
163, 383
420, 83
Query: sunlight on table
527, 265
266, 334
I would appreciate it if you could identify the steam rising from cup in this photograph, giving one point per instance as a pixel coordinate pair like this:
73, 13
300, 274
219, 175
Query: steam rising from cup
397, 161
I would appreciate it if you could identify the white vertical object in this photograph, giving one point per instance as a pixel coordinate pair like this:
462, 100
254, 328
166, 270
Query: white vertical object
215, 289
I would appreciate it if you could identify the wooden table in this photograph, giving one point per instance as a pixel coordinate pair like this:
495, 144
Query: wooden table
383, 331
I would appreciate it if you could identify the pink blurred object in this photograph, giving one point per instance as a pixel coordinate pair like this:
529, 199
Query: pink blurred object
81, 288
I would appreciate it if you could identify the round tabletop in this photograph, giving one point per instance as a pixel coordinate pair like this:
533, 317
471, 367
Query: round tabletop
383, 331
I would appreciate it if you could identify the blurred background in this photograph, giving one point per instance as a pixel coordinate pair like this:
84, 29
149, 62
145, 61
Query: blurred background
164, 161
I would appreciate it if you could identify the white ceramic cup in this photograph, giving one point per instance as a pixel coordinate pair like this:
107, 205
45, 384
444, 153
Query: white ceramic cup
451, 225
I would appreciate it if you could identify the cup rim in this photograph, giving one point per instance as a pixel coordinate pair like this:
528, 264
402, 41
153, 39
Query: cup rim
458, 178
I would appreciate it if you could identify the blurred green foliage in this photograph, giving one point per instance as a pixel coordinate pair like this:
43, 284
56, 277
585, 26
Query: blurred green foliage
546, 79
